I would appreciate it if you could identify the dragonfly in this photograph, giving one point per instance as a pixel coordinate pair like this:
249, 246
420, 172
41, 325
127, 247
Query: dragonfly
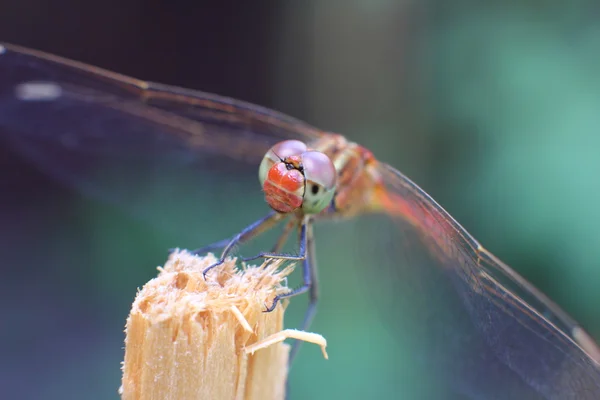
494, 336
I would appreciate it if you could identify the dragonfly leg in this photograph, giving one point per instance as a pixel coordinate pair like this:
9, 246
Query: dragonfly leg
306, 224
284, 235
285, 256
310, 285
251, 231
213, 246
310, 276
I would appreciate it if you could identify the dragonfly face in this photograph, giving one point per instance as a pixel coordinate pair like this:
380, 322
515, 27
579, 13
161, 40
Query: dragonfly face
477, 328
295, 178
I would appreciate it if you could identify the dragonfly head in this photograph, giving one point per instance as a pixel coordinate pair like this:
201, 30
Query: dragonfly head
294, 177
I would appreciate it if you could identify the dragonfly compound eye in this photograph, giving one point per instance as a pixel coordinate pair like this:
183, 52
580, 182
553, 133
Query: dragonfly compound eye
320, 180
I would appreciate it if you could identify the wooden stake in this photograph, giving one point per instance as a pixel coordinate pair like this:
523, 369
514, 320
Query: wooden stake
190, 338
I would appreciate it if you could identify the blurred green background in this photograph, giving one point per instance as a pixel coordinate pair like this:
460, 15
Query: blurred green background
492, 108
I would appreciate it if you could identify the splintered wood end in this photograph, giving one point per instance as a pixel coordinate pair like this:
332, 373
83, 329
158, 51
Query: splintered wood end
191, 338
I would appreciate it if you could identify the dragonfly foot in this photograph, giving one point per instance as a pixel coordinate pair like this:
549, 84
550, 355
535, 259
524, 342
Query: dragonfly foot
207, 269
273, 305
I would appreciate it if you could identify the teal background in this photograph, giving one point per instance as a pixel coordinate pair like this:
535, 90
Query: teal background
491, 108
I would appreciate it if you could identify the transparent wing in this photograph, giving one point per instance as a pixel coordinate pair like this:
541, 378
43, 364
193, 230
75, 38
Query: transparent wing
484, 327
102, 131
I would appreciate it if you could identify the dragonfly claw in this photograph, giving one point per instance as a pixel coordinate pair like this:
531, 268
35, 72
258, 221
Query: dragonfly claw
273, 305
207, 269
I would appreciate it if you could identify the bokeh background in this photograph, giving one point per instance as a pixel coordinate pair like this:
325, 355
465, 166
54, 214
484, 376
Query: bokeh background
491, 107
